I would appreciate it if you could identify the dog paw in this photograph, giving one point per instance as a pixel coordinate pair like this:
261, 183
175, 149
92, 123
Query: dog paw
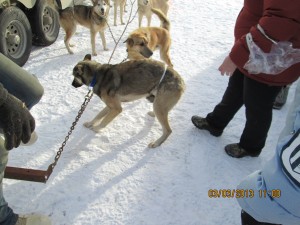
88, 124
122, 23
94, 54
151, 113
153, 144
95, 129
106, 49
71, 52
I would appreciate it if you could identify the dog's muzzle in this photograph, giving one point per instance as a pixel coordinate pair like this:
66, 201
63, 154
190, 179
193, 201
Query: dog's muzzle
147, 52
76, 83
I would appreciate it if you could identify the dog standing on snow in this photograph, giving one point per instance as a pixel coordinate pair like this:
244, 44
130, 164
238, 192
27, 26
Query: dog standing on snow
143, 41
145, 6
91, 17
127, 82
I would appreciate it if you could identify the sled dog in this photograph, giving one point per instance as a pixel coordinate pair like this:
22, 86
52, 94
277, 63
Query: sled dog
91, 17
121, 4
145, 6
127, 82
143, 41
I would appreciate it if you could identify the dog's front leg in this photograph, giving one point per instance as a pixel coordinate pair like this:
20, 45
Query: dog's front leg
97, 118
140, 19
103, 40
149, 19
122, 5
115, 13
93, 40
113, 113
114, 109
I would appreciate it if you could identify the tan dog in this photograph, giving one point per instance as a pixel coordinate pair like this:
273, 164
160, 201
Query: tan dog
145, 6
121, 4
127, 82
91, 17
143, 41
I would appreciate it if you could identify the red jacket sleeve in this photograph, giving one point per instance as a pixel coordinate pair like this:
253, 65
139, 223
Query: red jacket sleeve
280, 21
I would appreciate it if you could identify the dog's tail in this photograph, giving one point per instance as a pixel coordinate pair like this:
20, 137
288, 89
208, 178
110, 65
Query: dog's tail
165, 23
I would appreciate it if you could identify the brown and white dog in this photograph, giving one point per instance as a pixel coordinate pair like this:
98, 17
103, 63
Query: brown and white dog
129, 81
143, 41
145, 6
91, 17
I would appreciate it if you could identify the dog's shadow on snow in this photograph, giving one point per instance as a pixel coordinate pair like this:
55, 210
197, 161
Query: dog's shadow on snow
61, 182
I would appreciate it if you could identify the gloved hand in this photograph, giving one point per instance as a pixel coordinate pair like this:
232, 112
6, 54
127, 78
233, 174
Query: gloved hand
16, 121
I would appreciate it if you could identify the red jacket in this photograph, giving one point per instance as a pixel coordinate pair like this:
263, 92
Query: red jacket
280, 19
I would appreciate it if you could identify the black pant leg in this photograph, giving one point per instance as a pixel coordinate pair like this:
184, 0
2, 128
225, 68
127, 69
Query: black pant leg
258, 100
231, 102
249, 220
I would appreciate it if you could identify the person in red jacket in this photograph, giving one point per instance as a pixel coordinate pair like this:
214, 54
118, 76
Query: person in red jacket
263, 24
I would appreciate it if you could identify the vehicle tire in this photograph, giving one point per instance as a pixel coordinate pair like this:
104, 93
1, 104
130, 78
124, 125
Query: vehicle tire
15, 35
44, 23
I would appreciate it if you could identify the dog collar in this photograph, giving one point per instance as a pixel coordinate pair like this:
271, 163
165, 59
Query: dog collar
93, 82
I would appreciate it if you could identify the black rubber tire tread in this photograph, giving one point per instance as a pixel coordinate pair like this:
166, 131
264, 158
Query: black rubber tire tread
13, 19
43, 35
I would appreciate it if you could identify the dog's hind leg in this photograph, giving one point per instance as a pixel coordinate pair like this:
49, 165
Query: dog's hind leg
163, 103
102, 35
165, 55
69, 34
97, 118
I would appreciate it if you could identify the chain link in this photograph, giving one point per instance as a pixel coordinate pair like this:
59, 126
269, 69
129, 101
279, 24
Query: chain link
87, 99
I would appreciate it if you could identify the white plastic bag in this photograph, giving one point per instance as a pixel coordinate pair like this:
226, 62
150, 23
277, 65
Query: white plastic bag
281, 57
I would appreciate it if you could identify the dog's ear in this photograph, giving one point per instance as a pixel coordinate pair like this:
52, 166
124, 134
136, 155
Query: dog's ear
129, 41
87, 57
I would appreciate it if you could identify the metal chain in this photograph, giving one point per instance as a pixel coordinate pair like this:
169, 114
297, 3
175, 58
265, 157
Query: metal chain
87, 99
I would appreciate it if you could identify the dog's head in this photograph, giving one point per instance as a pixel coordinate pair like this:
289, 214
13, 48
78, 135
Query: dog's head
138, 42
84, 71
100, 7
143, 2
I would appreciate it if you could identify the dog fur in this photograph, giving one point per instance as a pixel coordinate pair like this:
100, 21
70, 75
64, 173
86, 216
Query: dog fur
143, 41
91, 17
121, 4
145, 6
127, 82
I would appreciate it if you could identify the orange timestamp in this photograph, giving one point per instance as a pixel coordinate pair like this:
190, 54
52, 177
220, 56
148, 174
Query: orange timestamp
243, 193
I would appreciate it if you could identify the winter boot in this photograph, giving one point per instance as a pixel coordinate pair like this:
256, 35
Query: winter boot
202, 124
235, 151
281, 97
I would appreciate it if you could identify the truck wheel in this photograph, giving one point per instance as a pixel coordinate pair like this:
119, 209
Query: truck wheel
44, 24
15, 35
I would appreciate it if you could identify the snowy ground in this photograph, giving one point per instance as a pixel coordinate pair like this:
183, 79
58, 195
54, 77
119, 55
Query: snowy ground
112, 178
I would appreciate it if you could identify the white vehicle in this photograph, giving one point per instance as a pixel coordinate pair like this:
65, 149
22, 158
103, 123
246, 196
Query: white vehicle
27, 22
